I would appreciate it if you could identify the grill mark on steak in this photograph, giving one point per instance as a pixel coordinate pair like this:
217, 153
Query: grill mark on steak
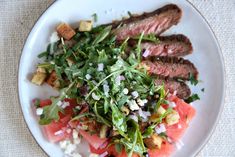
182, 89
172, 67
154, 22
172, 46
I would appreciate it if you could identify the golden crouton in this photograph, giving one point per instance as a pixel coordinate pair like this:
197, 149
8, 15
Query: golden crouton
53, 80
85, 26
153, 141
65, 31
161, 110
38, 78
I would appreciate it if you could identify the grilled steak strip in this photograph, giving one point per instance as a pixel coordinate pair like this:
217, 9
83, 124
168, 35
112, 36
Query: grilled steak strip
155, 22
182, 90
172, 67
172, 46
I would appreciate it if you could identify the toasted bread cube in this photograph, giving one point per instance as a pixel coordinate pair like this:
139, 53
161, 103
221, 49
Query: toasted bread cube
161, 110
39, 78
52, 80
172, 118
41, 70
65, 31
153, 141
85, 26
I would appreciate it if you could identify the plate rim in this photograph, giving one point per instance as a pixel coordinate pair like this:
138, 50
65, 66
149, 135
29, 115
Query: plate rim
213, 128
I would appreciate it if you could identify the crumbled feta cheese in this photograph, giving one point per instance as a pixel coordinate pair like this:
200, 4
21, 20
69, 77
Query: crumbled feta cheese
58, 132
133, 105
88, 76
179, 144
118, 79
93, 155
135, 94
95, 97
142, 102
75, 134
90, 64
134, 117
125, 91
100, 67
54, 37
70, 148
59, 103
65, 104
172, 104
39, 111
160, 129
144, 115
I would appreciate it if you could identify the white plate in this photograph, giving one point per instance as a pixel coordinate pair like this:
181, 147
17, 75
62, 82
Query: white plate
206, 56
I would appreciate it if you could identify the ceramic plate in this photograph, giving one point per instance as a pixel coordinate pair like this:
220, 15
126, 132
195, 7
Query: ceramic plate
206, 56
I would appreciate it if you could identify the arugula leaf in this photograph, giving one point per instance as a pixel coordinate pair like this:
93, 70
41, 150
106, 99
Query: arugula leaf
118, 119
192, 98
192, 79
102, 35
51, 112
148, 37
162, 95
138, 47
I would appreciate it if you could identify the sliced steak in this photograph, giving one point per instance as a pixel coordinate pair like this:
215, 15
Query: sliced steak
155, 22
172, 46
171, 67
180, 88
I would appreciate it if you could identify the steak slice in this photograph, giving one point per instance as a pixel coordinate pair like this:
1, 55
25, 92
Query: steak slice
154, 22
172, 46
172, 67
180, 88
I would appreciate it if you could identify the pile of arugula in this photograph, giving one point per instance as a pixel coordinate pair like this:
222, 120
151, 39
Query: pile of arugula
77, 66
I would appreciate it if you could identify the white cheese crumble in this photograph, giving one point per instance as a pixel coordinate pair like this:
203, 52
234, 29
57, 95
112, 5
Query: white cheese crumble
58, 132
95, 97
77, 141
64, 144
144, 115
88, 76
160, 129
134, 117
59, 103
125, 91
142, 102
65, 104
70, 148
39, 111
90, 64
135, 94
133, 105
100, 67
118, 79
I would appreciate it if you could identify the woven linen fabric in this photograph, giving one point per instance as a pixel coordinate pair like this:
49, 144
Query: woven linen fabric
16, 19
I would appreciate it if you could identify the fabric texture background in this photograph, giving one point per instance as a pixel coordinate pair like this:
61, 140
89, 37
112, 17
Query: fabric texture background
16, 19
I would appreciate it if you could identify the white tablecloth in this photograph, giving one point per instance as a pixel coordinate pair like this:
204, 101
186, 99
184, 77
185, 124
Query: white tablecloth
16, 19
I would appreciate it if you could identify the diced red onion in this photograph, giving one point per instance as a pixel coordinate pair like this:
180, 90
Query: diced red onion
146, 53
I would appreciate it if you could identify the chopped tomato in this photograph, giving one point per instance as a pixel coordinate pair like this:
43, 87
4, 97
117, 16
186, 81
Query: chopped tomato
57, 131
165, 151
93, 140
186, 112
